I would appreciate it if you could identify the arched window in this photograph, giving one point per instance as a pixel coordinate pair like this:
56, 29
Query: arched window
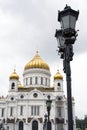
35, 110
34, 125
41, 80
36, 80
58, 84
26, 81
21, 110
13, 85
30, 80
21, 126
46, 81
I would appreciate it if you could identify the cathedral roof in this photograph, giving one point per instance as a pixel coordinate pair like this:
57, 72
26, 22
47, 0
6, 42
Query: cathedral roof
37, 62
14, 75
58, 76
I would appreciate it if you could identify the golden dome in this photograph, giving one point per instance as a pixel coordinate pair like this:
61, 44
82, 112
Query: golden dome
58, 76
37, 62
20, 85
14, 75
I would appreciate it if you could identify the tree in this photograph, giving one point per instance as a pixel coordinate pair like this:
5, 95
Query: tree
81, 123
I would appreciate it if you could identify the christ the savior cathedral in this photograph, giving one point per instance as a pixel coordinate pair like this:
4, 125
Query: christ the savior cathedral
25, 105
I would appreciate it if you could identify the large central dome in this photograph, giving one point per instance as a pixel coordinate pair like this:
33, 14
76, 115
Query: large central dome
37, 62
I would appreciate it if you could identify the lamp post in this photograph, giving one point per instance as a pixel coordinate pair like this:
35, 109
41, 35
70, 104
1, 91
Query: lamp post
45, 122
66, 37
48, 104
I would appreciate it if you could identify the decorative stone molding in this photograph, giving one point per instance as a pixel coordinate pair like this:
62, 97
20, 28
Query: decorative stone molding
40, 119
17, 119
29, 120
59, 120
23, 119
9, 120
42, 89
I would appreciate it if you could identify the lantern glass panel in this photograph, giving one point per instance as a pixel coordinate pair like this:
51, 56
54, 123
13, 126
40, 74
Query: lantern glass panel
68, 21
61, 41
65, 22
72, 21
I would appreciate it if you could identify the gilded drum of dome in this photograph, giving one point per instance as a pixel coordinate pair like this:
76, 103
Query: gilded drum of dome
37, 62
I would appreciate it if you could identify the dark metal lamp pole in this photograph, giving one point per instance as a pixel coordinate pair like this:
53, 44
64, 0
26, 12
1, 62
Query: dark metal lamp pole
66, 37
48, 104
45, 122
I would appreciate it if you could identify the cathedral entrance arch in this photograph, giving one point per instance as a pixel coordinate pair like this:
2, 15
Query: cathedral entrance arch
34, 125
21, 125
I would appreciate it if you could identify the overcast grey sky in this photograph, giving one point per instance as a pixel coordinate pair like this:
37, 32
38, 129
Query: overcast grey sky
29, 25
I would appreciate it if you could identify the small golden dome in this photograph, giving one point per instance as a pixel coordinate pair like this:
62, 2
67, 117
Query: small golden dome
37, 62
20, 85
58, 76
14, 75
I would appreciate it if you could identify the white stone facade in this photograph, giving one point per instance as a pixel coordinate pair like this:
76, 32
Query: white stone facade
24, 107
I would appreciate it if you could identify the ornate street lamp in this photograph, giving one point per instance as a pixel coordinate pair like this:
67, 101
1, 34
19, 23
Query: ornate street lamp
48, 104
66, 38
